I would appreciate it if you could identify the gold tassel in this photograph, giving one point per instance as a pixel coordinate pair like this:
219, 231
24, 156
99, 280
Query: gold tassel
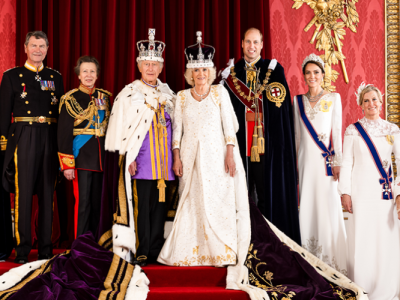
255, 157
260, 140
161, 188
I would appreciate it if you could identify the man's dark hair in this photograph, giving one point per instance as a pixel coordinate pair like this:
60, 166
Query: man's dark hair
86, 59
37, 35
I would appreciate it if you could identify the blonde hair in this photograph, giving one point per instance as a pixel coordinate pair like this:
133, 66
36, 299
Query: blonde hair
212, 74
368, 89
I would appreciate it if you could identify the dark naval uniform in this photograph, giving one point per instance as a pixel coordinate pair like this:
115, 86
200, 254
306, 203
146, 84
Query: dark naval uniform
29, 112
81, 147
274, 175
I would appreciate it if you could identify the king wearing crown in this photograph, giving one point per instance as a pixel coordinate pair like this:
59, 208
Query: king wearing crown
140, 134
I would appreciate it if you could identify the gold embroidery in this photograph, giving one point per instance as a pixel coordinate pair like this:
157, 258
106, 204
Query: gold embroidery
196, 250
325, 105
175, 144
121, 214
3, 143
230, 139
205, 234
16, 197
183, 98
390, 139
171, 213
106, 240
207, 260
215, 95
266, 279
276, 93
68, 161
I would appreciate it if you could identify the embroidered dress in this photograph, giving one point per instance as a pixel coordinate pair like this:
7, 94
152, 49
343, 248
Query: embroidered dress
321, 217
204, 230
373, 228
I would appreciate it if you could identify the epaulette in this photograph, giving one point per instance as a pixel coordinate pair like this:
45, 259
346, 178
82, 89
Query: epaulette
105, 91
53, 70
66, 97
11, 69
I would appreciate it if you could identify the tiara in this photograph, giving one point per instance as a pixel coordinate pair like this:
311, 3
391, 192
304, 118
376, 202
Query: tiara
313, 57
204, 54
150, 49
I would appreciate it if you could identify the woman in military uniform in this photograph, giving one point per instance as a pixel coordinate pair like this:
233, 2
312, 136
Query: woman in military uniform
84, 114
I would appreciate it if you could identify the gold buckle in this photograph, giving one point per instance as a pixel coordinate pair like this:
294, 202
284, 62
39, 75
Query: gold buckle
41, 119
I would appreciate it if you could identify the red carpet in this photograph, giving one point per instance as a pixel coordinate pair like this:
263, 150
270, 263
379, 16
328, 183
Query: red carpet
172, 283
9, 263
179, 283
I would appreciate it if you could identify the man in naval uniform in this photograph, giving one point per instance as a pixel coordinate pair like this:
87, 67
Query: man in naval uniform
140, 130
29, 98
266, 134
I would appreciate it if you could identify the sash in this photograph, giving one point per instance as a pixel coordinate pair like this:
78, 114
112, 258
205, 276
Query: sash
82, 139
327, 154
386, 177
245, 91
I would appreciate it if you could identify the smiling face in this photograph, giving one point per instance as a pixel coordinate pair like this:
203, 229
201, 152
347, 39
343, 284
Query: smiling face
371, 105
200, 76
150, 70
88, 74
36, 51
252, 45
313, 75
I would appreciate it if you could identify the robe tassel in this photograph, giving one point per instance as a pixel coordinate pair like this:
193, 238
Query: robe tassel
255, 157
161, 189
260, 140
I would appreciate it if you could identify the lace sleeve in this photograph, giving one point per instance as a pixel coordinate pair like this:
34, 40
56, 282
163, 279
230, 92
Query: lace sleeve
351, 130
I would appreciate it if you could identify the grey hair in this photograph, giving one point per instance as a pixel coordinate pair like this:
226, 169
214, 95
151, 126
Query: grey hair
212, 74
37, 35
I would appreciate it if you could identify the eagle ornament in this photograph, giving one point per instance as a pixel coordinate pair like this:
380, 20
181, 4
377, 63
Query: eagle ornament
330, 21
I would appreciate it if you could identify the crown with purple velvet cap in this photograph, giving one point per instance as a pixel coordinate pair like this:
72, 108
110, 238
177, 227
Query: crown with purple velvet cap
150, 49
199, 55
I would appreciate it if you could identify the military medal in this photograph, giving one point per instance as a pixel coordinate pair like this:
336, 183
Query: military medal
23, 94
276, 93
54, 100
37, 77
390, 139
385, 164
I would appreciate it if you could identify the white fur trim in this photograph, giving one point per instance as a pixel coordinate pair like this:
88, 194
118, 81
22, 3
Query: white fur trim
138, 286
322, 268
124, 239
272, 64
15, 275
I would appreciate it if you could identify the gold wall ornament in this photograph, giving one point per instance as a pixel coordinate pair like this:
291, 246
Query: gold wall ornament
392, 65
329, 32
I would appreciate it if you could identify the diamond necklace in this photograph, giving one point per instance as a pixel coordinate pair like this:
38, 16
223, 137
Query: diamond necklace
198, 95
314, 98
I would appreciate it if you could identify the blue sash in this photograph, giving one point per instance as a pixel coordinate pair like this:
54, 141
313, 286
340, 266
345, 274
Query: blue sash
327, 154
386, 177
82, 139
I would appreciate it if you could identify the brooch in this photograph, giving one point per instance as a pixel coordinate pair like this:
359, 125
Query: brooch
325, 105
276, 93
390, 139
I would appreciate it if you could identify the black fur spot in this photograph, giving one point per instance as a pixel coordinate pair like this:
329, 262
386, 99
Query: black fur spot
137, 110
4, 282
122, 250
303, 254
138, 136
129, 95
145, 121
129, 126
116, 236
319, 268
124, 139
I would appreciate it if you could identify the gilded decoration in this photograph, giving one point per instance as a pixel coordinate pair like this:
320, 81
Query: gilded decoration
207, 260
331, 18
392, 64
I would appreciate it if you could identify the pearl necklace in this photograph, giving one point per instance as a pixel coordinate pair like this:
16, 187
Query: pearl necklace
314, 98
201, 96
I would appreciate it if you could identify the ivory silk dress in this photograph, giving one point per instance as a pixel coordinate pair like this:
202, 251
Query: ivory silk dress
204, 231
373, 229
321, 217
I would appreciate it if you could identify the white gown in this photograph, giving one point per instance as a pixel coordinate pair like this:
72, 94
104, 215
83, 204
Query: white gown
204, 231
321, 217
373, 228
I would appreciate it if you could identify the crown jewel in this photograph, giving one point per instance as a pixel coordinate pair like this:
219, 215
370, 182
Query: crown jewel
312, 57
202, 53
150, 49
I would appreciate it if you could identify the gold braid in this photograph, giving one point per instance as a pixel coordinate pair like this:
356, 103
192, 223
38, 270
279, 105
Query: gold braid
79, 114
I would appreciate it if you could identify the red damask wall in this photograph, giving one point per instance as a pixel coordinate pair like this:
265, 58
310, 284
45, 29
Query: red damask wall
7, 35
364, 50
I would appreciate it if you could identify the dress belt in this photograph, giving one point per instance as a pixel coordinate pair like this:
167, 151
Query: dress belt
40, 119
89, 131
